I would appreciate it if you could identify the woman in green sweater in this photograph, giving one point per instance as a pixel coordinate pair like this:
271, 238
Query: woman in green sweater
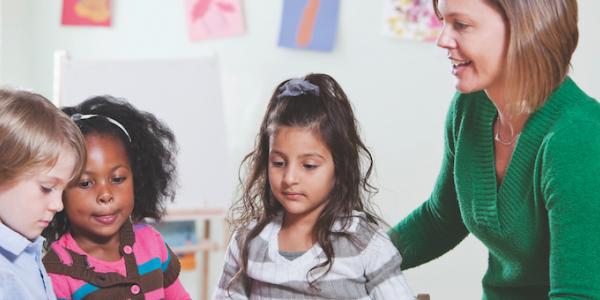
521, 168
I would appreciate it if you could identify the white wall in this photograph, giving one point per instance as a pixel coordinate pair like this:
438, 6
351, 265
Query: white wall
400, 90
15, 43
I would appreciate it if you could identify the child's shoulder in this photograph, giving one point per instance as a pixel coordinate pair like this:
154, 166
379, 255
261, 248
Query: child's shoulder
355, 224
242, 231
145, 229
149, 243
146, 234
359, 233
62, 248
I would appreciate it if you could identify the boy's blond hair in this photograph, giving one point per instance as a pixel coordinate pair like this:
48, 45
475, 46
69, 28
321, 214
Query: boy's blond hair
33, 134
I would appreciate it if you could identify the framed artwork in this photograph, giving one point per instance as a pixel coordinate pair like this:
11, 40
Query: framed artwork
86, 13
214, 18
309, 24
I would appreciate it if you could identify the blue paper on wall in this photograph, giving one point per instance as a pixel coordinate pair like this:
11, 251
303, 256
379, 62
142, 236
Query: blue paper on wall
309, 24
178, 233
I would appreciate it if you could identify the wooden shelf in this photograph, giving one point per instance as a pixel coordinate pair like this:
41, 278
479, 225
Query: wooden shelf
182, 214
202, 246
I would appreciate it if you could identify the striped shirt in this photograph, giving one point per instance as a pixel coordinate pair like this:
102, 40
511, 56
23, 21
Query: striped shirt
365, 266
148, 269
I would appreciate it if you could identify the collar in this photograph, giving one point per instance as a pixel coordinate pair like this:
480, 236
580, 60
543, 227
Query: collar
15, 243
341, 224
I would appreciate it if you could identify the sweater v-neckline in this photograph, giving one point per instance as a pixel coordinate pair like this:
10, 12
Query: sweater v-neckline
309, 255
513, 187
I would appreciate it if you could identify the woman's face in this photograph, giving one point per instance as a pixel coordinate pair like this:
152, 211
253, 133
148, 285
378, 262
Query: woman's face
475, 35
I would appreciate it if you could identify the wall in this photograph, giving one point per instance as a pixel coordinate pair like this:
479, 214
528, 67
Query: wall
400, 91
15, 43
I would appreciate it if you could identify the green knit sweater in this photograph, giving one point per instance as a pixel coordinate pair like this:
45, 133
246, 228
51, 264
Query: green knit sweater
541, 225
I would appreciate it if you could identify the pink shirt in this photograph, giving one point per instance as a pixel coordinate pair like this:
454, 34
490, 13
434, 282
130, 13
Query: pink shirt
156, 266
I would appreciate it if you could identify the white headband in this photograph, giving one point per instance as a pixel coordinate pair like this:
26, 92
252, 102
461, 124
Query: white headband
78, 117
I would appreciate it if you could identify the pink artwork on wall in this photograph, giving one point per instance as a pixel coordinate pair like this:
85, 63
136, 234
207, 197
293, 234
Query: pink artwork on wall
86, 12
214, 18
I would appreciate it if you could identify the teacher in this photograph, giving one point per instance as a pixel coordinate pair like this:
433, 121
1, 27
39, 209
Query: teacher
521, 167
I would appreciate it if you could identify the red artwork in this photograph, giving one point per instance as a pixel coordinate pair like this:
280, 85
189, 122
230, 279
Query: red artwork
86, 12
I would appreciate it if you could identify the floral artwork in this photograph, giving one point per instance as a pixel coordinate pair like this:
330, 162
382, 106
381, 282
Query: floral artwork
411, 19
214, 18
86, 12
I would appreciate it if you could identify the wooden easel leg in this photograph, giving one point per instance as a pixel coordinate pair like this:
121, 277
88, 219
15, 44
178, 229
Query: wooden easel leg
423, 297
205, 262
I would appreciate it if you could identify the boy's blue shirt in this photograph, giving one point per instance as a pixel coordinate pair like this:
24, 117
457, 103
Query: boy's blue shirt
22, 274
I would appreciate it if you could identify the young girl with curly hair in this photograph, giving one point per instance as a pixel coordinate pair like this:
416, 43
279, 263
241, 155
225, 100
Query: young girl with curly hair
101, 248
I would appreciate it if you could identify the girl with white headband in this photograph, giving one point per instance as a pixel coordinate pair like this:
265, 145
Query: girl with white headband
101, 249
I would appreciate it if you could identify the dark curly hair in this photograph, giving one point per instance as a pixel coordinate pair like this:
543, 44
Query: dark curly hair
331, 116
151, 152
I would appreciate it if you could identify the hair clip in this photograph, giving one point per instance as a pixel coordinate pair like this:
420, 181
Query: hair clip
79, 117
297, 87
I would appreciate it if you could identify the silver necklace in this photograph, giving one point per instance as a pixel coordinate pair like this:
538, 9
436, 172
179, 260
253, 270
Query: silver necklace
505, 142
508, 142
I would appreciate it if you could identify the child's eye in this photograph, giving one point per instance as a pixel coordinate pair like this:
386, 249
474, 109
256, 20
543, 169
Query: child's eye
459, 25
85, 184
118, 179
277, 164
46, 190
310, 166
